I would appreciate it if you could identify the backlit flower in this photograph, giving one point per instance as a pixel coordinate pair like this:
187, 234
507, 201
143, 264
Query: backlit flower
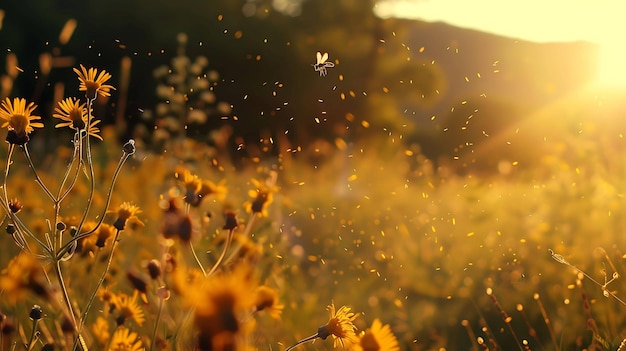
221, 302
125, 340
93, 130
377, 338
100, 330
125, 213
22, 275
92, 83
128, 308
72, 114
266, 299
261, 197
339, 325
18, 118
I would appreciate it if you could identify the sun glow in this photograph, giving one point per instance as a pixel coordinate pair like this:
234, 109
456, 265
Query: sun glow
597, 21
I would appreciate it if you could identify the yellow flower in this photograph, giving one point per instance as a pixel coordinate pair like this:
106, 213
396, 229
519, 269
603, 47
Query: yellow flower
17, 117
208, 188
101, 330
128, 308
266, 298
72, 113
104, 233
93, 130
261, 197
92, 83
20, 277
377, 338
126, 213
125, 340
339, 325
221, 302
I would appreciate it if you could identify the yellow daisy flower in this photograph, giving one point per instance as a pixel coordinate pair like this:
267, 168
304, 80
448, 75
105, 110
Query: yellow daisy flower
125, 213
21, 276
18, 118
128, 308
72, 113
101, 330
377, 338
93, 130
266, 298
92, 83
221, 301
262, 196
339, 325
125, 340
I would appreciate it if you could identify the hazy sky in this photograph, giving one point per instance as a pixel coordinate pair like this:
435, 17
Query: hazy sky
599, 21
536, 20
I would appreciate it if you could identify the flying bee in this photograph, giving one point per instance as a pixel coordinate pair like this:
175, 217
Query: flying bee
322, 64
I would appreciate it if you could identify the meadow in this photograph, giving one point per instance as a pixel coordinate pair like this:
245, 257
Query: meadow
166, 242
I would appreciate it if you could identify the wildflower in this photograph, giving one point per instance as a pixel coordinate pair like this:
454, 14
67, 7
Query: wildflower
209, 188
104, 232
125, 213
377, 338
154, 269
101, 330
108, 298
192, 184
261, 197
125, 340
17, 117
92, 83
36, 313
185, 229
94, 131
197, 189
266, 298
72, 113
21, 276
15, 205
220, 300
129, 309
230, 220
139, 284
339, 325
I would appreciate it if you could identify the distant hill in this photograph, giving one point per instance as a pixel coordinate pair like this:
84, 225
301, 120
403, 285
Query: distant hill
514, 90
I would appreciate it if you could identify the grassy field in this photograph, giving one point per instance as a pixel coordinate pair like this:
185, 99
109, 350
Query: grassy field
121, 248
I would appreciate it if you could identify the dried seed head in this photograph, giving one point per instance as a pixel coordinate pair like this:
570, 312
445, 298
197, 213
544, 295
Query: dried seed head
36, 313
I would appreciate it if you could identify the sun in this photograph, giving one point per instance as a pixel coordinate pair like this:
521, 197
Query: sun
611, 65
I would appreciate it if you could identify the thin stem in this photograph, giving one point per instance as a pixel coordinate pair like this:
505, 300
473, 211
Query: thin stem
98, 285
33, 336
229, 239
37, 179
66, 297
101, 281
63, 250
156, 324
78, 151
197, 259
307, 339
92, 180
7, 166
246, 233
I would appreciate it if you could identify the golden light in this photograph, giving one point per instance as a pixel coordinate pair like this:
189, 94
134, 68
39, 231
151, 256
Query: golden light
597, 22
